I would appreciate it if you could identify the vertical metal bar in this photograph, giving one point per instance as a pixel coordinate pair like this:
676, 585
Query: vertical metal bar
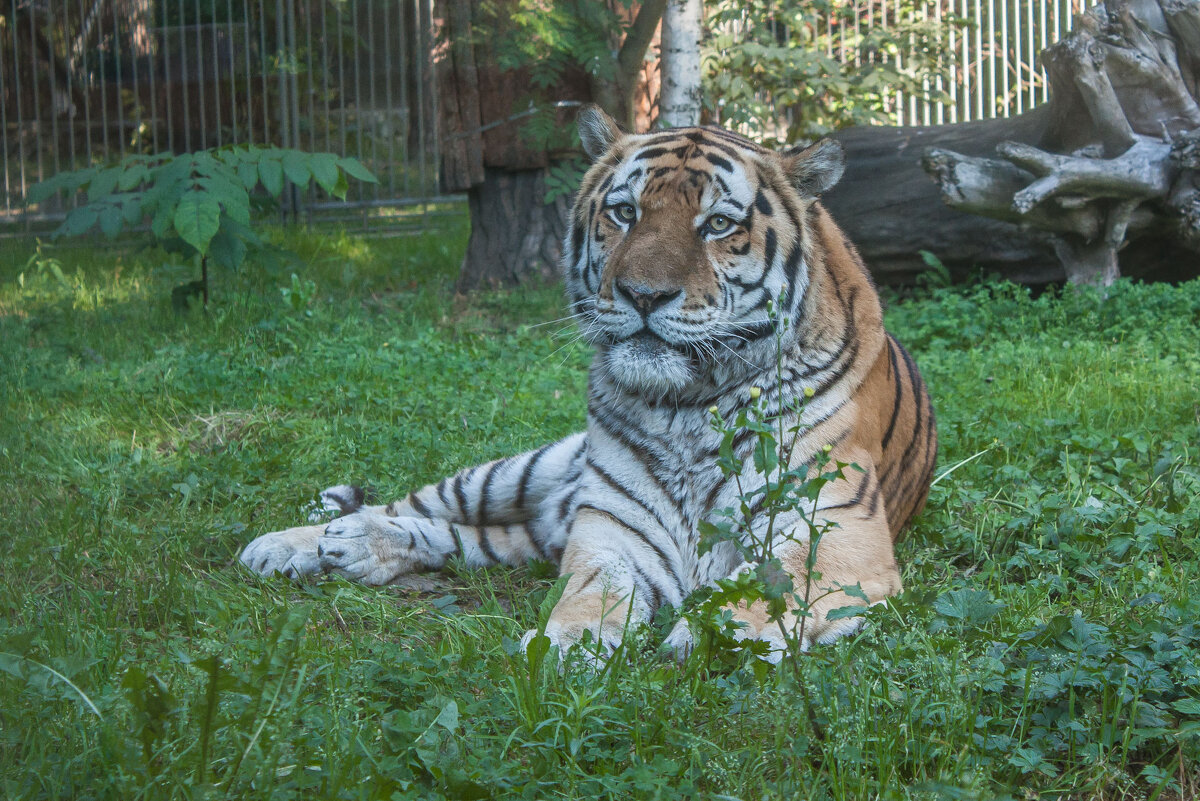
17, 93
293, 98
74, 157
310, 97
405, 103
285, 133
170, 80
387, 91
53, 110
247, 23
341, 57
430, 112
422, 50
233, 98
4, 143
264, 70
1041, 49
37, 103
325, 67
138, 109
965, 65
185, 93
116, 43
1017, 58
201, 78
1004, 76
371, 38
358, 98
215, 70
1031, 58
87, 93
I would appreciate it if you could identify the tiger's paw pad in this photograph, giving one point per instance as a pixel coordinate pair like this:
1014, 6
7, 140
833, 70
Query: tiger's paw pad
680, 642
292, 552
374, 549
604, 639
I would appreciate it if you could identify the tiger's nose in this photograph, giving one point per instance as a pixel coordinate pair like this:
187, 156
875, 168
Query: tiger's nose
645, 299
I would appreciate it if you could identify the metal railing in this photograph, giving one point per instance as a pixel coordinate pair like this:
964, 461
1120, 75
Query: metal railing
989, 67
89, 81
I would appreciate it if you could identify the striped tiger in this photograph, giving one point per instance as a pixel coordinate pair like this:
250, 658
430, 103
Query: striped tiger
679, 244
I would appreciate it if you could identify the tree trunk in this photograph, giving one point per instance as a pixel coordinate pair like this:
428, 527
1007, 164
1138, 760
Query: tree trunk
679, 104
515, 235
1115, 163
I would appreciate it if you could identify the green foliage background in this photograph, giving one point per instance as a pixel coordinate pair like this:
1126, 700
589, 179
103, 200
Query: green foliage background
1046, 646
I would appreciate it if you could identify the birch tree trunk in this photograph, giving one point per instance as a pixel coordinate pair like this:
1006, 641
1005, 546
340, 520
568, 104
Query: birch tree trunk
679, 103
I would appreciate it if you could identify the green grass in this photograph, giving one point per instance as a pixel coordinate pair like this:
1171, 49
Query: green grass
1046, 646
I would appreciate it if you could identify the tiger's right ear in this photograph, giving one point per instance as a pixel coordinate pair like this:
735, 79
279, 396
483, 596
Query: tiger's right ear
597, 131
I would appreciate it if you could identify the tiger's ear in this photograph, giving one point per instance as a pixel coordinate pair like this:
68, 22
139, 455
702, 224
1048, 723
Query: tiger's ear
597, 131
815, 169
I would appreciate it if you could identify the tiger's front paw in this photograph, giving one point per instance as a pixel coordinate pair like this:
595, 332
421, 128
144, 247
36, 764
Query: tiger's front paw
292, 552
374, 549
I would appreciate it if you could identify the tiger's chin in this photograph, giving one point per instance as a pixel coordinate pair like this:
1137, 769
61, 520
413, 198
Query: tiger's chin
646, 365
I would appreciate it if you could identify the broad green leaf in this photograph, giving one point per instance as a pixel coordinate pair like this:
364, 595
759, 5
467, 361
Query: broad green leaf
45, 189
132, 176
355, 169
79, 221
969, 606
295, 167
132, 210
111, 220
197, 218
325, 170
270, 171
226, 248
248, 174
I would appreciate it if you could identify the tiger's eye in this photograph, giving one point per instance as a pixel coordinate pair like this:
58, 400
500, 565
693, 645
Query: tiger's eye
719, 223
625, 212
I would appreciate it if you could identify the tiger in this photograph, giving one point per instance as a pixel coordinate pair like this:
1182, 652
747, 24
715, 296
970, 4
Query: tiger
706, 274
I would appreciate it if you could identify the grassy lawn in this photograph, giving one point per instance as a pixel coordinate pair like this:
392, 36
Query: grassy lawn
1047, 645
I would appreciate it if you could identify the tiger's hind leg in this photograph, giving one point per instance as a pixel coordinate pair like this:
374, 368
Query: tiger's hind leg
502, 512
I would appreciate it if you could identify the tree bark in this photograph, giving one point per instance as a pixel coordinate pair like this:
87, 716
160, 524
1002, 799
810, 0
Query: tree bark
515, 235
679, 103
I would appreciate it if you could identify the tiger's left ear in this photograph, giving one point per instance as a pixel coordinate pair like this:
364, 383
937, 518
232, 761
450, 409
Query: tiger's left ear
815, 169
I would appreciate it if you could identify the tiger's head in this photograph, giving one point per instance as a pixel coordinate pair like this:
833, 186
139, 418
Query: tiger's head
678, 243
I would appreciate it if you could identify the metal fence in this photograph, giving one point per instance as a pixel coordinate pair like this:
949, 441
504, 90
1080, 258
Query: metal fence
89, 81
989, 67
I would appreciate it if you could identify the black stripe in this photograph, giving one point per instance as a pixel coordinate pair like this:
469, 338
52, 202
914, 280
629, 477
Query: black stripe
458, 543
662, 556
762, 204
623, 490
485, 492
887, 435
441, 492
485, 545
418, 505
717, 161
460, 495
605, 418
655, 593
523, 484
587, 581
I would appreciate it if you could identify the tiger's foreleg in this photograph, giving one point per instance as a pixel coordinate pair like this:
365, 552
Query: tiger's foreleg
502, 512
853, 548
619, 575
